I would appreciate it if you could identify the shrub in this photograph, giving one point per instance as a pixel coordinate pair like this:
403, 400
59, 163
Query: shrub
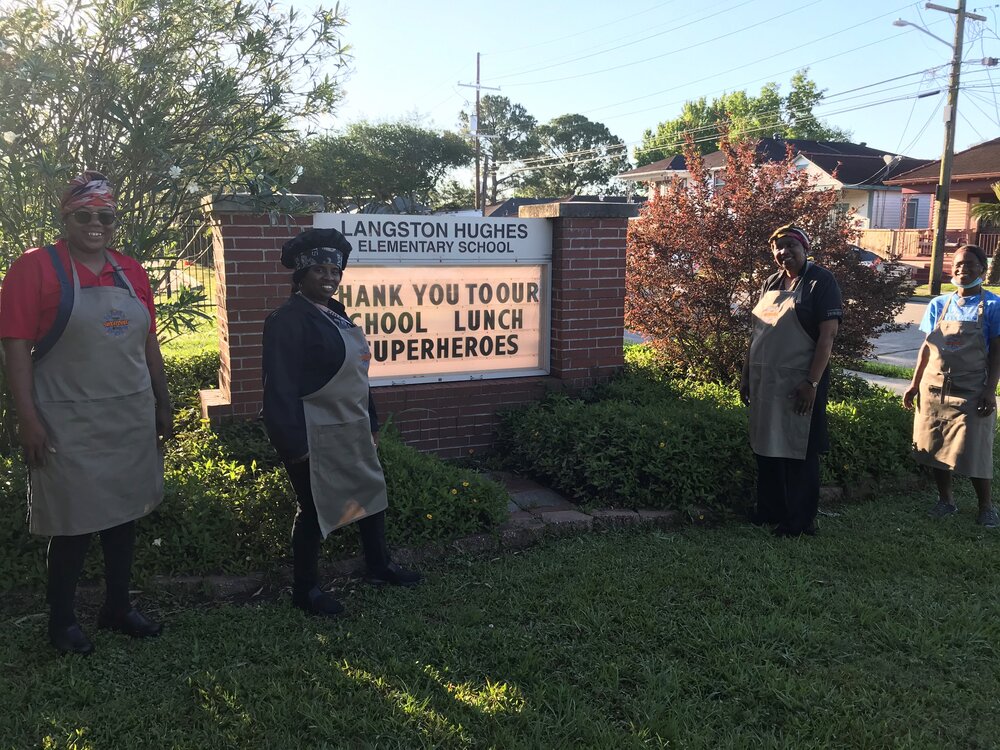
228, 505
698, 255
652, 440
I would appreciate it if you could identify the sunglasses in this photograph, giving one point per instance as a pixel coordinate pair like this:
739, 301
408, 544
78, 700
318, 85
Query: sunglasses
82, 216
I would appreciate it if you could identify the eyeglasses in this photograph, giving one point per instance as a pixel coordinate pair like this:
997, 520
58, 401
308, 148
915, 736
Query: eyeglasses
82, 216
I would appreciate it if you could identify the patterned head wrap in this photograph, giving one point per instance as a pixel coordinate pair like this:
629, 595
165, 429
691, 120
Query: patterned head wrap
313, 247
790, 230
89, 190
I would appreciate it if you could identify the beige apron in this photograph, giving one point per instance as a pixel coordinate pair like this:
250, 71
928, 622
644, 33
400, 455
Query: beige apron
949, 432
93, 393
344, 470
781, 353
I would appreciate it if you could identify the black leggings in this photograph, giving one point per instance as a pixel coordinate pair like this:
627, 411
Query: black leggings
788, 491
66, 556
306, 536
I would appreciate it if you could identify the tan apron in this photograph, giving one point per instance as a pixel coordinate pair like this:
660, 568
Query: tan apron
949, 432
781, 353
344, 470
93, 393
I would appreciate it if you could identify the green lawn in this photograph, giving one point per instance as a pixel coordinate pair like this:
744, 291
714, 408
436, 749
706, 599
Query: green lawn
882, 368
881, 632
924, 290
205, 338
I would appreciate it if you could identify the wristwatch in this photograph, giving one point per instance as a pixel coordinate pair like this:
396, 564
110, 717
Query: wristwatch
813, 383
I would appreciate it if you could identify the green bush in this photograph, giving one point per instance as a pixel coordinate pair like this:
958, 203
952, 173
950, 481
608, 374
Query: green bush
653, 439
228, 505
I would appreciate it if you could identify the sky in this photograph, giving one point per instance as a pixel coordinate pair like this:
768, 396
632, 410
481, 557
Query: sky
632, 65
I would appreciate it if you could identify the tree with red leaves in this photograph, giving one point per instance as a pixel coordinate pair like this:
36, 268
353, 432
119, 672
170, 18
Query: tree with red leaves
698, 256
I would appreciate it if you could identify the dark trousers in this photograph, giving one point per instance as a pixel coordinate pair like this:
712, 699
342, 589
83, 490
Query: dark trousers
788, 491
66, 556
306, 536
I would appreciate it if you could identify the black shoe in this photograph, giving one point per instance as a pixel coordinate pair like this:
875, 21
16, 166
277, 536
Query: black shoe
70, 639
785, 531
315, 601
131, 623
757, 518
394, 575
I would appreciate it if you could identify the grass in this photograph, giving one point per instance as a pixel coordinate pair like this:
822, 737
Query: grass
882, 368
204, 338
881, 632
924, 290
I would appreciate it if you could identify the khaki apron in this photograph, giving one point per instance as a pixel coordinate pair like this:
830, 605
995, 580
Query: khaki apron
344, 470
780, 356
948, 430
93, 393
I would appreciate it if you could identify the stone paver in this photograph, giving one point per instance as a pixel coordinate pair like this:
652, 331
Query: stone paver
664, 519
561, 522
614, 519
541, 498
520, 533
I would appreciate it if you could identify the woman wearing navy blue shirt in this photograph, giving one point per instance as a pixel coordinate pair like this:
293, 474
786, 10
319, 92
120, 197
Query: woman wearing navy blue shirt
954, 385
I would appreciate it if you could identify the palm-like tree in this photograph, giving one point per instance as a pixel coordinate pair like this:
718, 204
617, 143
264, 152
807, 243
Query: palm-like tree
990, 213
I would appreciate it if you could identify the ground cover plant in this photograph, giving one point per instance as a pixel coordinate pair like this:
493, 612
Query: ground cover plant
228, 506
880, 632
655, 438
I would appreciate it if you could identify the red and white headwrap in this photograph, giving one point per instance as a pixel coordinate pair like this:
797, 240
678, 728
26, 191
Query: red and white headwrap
89, 190
790, 230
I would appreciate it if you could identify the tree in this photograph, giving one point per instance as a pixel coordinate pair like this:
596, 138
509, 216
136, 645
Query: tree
744, 116
988, 215
698, 255
579, 154
372, 164
507, 135
452, 195
170, 98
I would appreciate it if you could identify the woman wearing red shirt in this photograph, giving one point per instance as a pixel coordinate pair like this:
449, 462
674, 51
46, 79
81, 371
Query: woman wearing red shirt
86, 376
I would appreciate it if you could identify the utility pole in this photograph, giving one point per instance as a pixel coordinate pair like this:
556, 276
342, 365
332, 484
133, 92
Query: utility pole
950, 115
480, 194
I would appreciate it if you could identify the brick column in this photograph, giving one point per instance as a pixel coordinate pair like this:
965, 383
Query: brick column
250, 282
588, 287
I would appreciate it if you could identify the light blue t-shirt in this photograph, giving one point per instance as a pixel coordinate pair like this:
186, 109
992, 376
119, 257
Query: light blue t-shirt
969, 310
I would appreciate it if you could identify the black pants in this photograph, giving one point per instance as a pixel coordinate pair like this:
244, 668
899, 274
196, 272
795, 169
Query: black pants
66, 556
306, 536
788, 491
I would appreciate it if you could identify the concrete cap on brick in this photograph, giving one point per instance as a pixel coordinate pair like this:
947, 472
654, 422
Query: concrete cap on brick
579, 210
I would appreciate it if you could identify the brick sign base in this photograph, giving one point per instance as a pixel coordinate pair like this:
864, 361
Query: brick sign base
451, 419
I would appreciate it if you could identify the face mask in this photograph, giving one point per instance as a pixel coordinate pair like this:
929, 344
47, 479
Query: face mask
974, 282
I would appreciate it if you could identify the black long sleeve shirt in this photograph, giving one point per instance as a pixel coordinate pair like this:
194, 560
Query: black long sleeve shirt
302, 352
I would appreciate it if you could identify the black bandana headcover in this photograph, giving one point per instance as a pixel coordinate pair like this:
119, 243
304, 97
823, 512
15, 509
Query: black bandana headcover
313, 247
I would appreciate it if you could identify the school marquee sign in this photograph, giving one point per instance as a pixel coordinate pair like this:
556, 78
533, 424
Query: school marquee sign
444, 298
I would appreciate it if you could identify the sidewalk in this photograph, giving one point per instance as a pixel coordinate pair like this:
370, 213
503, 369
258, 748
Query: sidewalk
899, 348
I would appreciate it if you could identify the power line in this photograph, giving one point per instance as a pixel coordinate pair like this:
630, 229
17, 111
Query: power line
606, 50
712, 127
646, 60
582, 32
764, 59
559, 161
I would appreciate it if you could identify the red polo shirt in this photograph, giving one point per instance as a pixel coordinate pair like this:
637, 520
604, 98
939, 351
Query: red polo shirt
29, 295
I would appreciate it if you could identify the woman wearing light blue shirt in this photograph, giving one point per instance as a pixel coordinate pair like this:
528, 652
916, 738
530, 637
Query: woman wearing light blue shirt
955, 384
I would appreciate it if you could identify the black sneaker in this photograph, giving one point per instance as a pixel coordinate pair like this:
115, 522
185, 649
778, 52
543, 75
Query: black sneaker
70, 639
393, 575
317, 602
942, 509
131, 622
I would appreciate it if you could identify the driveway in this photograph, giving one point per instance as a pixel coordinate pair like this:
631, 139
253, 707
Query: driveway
901, 348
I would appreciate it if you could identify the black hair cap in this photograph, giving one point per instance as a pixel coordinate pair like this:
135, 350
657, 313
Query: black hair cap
310, 240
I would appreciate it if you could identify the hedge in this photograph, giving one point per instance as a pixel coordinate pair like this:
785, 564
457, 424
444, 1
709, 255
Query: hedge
228, 505
653, 439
